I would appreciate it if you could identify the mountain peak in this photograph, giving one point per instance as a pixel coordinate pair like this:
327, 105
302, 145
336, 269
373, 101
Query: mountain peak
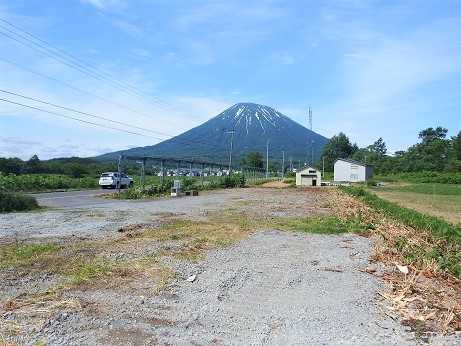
250, 115
254, 126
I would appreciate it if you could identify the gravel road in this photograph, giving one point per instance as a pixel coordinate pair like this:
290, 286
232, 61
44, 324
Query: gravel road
273, 288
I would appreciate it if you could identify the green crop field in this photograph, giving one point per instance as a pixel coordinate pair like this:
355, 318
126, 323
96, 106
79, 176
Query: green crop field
441, 200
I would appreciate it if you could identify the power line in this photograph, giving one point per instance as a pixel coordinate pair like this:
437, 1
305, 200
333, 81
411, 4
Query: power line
94, 73
85, 92
83, 113
172, 138
81, 120
97, 75
118, 81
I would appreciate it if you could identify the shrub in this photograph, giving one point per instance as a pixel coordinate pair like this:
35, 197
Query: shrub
238, 180
188, 184
371, 182
16, 202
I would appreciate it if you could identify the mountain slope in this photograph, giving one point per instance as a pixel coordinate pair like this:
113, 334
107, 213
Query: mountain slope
254, 126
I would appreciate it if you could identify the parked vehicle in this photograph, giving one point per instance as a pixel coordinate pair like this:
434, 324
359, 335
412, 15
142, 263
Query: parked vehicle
110, 180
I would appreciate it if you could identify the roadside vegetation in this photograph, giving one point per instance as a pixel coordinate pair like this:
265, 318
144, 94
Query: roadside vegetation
443, 239
187, 184
422, 254
45, 182
440, 200
16, 202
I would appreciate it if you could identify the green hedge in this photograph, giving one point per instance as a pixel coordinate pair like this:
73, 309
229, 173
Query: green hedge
429, 177
45, 182
226, 182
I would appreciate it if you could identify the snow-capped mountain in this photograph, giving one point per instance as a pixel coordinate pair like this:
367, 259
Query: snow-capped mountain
255, 127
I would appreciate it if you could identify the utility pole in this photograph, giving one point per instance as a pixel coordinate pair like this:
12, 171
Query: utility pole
230, 152
310, 140
143, 173
267, 159
119, 173
283, 164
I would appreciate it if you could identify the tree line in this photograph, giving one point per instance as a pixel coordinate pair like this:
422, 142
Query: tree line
434, 153
75, 167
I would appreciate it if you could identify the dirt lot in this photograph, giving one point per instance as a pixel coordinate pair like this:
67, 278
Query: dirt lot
223, 268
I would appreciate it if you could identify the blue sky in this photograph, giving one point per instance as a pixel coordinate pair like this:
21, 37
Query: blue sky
368, 69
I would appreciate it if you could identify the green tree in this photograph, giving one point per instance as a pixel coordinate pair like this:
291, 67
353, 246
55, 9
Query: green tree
253, 159
456, 146
429, 135
454, 161
11, 165
378, 147
431, 154
272, 167
34, 165
337, 147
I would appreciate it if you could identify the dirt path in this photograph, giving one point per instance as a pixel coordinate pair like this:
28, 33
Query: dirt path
275, 288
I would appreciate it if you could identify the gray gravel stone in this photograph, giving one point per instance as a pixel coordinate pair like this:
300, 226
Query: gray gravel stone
274, 288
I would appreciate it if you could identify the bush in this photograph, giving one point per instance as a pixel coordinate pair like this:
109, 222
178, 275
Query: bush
16, 202
188, 184
45, 182
231, 181
371, 182
238, 180
429, 177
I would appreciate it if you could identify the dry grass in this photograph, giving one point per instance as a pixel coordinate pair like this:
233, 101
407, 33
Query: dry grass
427, 299
39, 308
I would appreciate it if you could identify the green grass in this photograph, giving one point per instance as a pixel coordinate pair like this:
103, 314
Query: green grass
444, 248
324, 225
26, 254
440, 200
428, 189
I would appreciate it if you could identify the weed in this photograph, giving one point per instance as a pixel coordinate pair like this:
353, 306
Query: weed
11, 201
440, 240
24, 255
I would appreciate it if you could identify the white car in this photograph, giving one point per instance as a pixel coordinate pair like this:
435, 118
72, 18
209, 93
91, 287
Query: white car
110, 179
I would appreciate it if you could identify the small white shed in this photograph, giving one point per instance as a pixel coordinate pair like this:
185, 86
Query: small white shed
351, 170
308, 176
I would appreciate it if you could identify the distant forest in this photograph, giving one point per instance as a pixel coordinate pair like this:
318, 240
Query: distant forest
434, 153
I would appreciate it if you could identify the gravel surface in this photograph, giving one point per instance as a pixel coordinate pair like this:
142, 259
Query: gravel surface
273, 288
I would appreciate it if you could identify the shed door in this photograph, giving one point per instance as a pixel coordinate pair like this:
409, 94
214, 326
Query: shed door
306, 180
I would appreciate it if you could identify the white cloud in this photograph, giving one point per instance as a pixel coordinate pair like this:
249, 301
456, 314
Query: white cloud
106, 4
128, 28
140, 52
284, 58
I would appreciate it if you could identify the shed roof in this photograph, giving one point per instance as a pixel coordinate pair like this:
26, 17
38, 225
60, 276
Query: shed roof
354, 162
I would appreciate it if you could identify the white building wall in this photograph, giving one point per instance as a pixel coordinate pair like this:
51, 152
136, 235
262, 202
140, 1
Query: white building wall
347, 171
312, 173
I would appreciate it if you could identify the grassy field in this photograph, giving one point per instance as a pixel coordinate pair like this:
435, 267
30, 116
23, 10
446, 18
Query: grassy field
440, 200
